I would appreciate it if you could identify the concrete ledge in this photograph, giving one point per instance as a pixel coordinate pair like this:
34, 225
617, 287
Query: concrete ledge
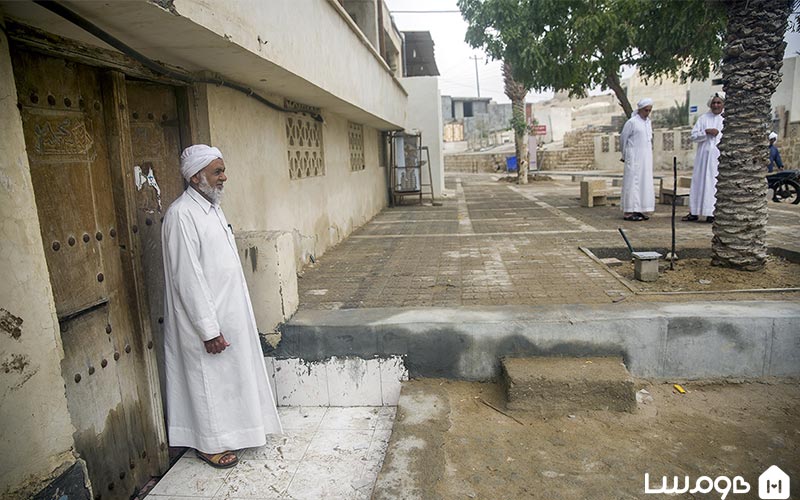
698, 340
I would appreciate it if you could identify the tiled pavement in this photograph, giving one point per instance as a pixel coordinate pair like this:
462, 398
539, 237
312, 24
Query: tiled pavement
496, 243
324, 453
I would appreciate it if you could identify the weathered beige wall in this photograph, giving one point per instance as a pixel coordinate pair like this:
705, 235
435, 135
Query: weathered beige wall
36, 433
259, 196
425, 115
683, 149
310, 39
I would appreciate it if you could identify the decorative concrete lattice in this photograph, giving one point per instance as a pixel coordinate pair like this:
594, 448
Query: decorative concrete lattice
617, 149
604, 144
686, 140
304, 138
356, 135
669, 141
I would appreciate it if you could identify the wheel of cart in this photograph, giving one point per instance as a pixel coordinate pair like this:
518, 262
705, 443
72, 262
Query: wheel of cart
785, 186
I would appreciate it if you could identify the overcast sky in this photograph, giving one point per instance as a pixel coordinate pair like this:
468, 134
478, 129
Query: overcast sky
453, 55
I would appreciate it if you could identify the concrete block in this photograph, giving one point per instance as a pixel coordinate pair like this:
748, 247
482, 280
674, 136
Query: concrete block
593, 193
699, 346
354, 382
301, 383
268, 262
784, 357
393, 373
558, 386
645, 266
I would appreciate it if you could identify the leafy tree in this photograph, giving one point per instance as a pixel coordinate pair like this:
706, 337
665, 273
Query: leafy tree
676, 116
576, 45
751, 71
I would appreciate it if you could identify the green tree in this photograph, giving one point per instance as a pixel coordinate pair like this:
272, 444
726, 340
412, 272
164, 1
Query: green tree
751, 71
576, 45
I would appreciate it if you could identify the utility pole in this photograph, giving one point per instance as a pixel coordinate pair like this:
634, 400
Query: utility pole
477, 81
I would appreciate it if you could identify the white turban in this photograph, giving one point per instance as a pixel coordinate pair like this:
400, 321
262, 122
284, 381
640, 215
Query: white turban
720, 95
773, 136
644, 103
196, 158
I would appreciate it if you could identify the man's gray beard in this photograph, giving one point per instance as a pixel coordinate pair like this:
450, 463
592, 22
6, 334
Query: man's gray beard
213, 193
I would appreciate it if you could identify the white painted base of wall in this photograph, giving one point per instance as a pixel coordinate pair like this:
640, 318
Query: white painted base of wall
337, 381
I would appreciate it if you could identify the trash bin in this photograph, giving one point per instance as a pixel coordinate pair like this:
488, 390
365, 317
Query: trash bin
511, 163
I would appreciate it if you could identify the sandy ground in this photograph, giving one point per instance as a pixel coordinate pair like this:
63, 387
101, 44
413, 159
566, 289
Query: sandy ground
698, 274
723, 429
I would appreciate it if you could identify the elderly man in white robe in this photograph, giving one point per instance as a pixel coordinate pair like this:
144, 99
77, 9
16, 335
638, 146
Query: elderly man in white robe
218, 395
707, 133
636, 143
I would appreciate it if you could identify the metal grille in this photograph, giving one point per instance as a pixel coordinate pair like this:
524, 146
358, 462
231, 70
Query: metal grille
604, 142
356, 136
304, 141
686, 140
669, 141
616, 144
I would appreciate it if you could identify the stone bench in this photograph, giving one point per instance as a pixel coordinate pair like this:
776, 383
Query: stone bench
596, 193
681, 195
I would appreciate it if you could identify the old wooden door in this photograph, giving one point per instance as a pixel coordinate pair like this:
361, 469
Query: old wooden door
119, 430
155, 131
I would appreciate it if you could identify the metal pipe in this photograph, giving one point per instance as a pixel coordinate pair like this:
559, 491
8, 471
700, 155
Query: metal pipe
626, 239
674, 197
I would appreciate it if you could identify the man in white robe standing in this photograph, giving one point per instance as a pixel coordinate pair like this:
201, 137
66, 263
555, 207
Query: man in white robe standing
636, 143
707, 133
218, 395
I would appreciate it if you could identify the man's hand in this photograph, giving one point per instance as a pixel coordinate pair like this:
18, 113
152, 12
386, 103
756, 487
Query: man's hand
712, 132
216, 345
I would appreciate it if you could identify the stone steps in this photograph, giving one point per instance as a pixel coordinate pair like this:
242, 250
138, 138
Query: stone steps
565, 385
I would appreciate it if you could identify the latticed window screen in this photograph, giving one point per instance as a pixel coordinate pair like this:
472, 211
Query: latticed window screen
616, 144
304, 139
686, 140
604, 144
356, 135
669, 141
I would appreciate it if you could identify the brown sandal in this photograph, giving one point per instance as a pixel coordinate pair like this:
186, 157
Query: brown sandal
215, 459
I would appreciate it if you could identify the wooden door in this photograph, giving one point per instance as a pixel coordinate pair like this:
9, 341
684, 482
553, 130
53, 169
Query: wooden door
119, 431
155, 132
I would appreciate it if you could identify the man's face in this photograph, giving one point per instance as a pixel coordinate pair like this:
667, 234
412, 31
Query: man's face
717, 105
210, 181
645, 111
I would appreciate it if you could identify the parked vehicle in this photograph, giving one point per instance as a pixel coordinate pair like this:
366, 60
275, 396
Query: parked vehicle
785, 186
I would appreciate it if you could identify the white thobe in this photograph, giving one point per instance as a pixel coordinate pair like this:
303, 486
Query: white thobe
703, 193
636, 143
215, 402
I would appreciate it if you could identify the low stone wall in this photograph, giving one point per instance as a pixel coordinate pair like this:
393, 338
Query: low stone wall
475, 163
667, 143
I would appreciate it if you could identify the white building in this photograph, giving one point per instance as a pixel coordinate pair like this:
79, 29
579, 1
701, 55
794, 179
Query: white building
299, 96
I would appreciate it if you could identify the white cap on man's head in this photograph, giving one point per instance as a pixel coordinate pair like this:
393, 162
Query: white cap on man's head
196, 158
773, 136
644, 103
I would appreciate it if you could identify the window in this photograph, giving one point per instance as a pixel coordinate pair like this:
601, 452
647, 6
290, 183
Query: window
355, 133
304, 139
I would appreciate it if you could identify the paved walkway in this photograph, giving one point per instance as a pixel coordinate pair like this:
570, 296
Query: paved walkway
497, 243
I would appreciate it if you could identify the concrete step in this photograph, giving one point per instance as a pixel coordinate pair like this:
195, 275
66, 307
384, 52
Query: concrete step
564, 385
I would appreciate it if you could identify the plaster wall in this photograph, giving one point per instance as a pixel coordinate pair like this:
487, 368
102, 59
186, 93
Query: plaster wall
425, 115
787, 94
308, 39
36, 435
663, 150
259, 196
557, 120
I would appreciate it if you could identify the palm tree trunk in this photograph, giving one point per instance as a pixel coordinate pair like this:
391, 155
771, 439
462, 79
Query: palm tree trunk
517, 92
751, 72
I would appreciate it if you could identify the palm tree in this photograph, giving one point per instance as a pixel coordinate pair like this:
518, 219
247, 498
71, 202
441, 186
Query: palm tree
517, 92
751, 72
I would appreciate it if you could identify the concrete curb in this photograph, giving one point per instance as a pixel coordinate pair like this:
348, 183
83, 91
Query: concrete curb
698, 340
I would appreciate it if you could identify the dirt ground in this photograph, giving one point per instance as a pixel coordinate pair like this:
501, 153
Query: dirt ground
699, 274
724, 429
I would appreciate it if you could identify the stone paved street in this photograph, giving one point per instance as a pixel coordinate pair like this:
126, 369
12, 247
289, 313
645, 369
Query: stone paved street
497, 243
